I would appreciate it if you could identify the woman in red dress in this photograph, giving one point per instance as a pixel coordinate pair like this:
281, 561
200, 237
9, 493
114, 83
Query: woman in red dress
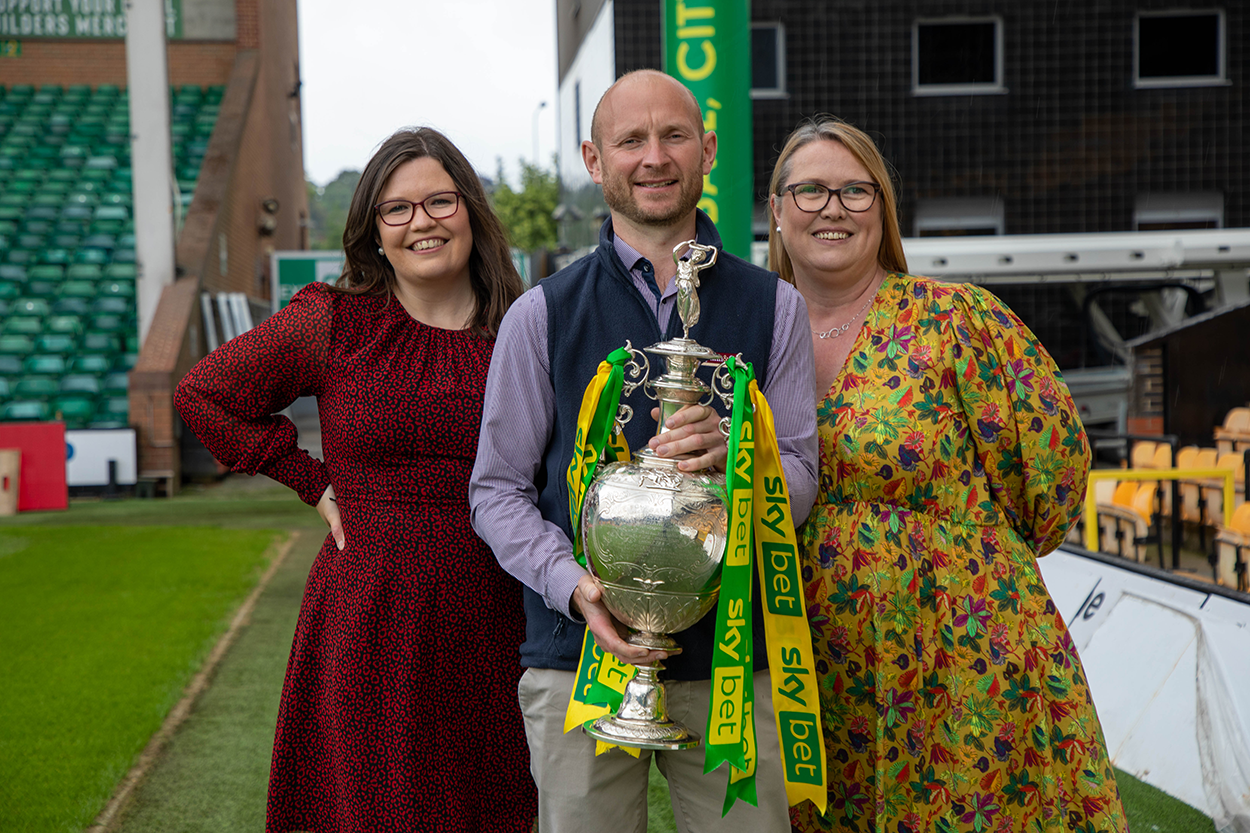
399, 709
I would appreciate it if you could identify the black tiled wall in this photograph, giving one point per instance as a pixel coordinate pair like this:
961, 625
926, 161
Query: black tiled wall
1068, 147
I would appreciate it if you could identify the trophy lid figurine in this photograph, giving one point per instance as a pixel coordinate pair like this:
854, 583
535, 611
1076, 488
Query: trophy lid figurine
655, 536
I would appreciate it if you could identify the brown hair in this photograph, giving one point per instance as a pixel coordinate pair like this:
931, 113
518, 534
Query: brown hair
890, 253
365, 272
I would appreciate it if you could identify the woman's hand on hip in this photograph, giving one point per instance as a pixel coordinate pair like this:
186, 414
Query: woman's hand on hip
328, 509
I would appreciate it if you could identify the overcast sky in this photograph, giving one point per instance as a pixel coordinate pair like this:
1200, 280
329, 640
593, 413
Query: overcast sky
474, 69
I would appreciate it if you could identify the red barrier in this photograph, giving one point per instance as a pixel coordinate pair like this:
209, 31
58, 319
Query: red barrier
42, 484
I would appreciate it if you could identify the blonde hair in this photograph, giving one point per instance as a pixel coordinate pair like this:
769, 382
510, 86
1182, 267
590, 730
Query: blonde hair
890, 254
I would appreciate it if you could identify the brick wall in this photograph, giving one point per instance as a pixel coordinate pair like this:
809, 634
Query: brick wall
78, 61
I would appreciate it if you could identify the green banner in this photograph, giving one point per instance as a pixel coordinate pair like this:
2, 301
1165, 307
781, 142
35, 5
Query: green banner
707, 46
76, 18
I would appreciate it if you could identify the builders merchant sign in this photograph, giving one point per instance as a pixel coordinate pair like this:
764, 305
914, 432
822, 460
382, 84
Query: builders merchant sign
76, 18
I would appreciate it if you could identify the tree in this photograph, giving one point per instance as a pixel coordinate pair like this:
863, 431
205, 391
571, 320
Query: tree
526, 213
327, 210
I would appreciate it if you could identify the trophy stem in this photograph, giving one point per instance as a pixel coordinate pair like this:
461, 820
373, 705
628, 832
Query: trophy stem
642, 721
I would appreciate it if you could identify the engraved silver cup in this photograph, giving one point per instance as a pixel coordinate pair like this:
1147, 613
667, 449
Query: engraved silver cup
655, 536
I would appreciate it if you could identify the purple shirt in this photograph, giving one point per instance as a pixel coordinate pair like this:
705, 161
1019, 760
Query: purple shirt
519, 411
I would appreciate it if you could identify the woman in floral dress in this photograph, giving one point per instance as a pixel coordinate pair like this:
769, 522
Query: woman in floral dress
951, 459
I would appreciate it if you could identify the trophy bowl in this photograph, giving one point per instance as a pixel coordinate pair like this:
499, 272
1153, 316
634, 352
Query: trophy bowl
655, 539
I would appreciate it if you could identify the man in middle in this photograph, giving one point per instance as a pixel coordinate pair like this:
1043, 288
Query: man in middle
650, 152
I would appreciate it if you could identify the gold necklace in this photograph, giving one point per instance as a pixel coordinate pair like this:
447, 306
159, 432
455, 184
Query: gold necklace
835, 331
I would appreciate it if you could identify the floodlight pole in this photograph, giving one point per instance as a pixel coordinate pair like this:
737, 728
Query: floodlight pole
151, 155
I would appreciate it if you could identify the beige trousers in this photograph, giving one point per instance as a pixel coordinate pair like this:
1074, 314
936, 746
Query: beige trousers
578, 791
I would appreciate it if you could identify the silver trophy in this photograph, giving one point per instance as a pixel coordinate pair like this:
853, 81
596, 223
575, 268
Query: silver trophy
655, 536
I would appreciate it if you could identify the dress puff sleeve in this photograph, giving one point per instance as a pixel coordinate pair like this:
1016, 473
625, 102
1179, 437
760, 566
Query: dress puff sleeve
1024, 425
231, 396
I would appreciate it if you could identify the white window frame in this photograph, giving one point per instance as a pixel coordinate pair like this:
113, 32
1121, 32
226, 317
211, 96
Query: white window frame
951, 213
779, 91
1221, 36
997, 87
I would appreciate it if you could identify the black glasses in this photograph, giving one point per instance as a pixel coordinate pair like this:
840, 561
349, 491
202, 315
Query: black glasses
438, 206
813, 197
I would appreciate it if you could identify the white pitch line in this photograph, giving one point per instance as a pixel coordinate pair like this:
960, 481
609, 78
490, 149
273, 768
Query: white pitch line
107, 821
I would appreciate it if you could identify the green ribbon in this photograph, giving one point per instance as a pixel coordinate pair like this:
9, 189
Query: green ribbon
730, 733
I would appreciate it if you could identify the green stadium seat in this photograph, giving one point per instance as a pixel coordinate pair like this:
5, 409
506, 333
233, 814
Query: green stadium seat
132, 343
22, 325
35, 387
75, 411
112, 306
113, 407
85, 271
8, 227
28, 241
10, 365
31, 306
84, 383
22, 186
70, 325
115, 384
108, 324
101, 162
66, 241
12, 272
119, 271
46, 272
127, 360
9, 290
11, 213
111, 212
56, 343
118, 289
91, 363
41, 289
20, 256
24, 411
16, 200
54, 256
41, 212
91, 256
17, 345
77, 289
99, 343
6, 389
77, 307
123, 255
76, 212
101, 241
44, 365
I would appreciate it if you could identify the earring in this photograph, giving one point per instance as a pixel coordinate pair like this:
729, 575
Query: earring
381, 252
779, 229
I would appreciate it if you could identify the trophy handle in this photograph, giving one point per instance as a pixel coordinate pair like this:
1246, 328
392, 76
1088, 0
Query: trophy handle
723, 387
636, 371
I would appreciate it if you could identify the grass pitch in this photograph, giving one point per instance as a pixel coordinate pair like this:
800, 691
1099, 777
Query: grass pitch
101, 628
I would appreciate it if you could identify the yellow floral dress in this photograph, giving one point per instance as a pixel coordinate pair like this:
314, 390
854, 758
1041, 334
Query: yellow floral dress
953, 698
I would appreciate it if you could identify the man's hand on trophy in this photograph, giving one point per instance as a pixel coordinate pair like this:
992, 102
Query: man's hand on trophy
587, 600
695, 429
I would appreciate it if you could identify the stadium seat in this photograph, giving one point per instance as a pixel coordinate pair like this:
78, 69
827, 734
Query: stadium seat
31, 306
100, 343
10, 365
1232, 544
22, 325
78, 289
120, 289
76, 411
85, 271
24, 410
90, 364
35, 387
1234, 434
108, 324
44, 365
76, 307
70, 325
115, 384
112, 306
56, 343
120, 271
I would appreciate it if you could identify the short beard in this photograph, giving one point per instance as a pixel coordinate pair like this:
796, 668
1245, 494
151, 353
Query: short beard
618, 194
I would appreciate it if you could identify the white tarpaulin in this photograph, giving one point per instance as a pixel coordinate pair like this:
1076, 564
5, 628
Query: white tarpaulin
1169, 670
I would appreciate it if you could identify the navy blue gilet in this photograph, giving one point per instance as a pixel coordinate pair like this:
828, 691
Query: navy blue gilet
593, 307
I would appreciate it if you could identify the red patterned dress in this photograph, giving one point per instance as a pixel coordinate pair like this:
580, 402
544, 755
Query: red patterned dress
399, 711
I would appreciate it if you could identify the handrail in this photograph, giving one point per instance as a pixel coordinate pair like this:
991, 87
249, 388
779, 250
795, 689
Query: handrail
1091, 499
